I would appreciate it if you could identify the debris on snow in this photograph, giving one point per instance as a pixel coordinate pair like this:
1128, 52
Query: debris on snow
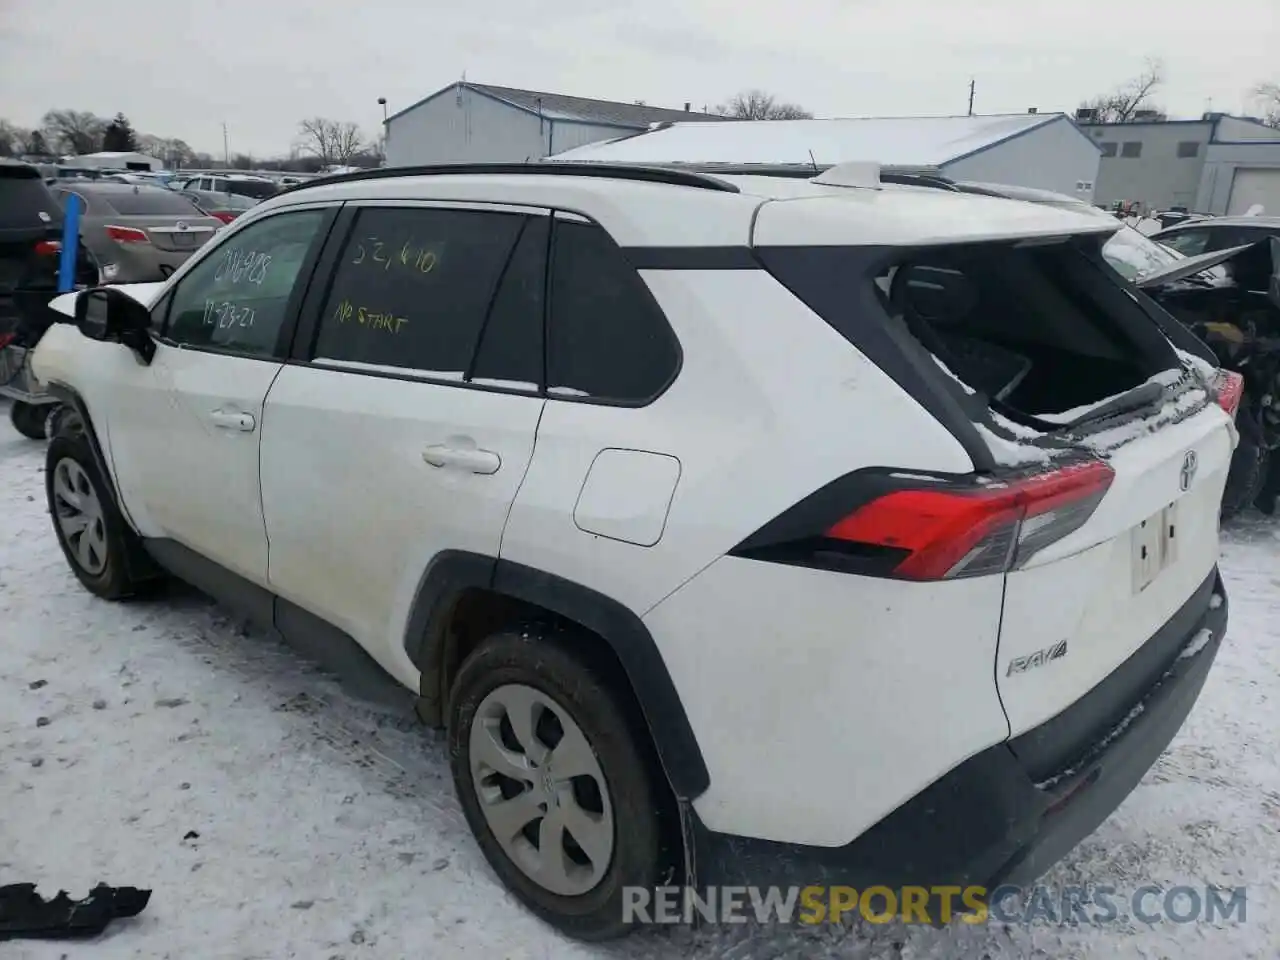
24, 914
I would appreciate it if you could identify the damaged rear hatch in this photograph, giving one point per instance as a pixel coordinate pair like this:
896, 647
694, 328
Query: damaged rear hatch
1011, 328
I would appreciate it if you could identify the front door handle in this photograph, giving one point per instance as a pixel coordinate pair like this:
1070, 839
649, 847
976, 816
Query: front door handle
472, 459
233, 420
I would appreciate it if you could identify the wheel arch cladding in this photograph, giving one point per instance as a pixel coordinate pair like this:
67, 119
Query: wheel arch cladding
453, 573
71, 398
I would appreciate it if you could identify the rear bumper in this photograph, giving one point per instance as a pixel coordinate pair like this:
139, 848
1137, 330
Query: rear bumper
1009, 813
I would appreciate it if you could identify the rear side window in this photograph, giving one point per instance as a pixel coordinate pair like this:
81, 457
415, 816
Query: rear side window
510, 352
150, 202
606, 337
413, 287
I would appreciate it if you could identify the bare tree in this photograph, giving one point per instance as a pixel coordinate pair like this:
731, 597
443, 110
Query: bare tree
758, 105
1268, 94
174, 152
10, 136
32, 142
330, 141
1120, 105
75, 131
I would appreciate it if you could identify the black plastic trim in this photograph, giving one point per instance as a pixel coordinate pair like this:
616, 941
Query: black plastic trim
317, 639
665, 175
453, 572
989, 821
691, 258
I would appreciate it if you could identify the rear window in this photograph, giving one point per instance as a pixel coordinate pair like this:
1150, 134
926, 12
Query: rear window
25, 201
252, 188
147, 202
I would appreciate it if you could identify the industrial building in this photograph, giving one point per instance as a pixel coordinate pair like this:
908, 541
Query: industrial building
480, 122
1042, 150
1218, 164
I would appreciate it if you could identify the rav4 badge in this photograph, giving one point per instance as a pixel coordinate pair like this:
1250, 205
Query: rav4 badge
1037, 659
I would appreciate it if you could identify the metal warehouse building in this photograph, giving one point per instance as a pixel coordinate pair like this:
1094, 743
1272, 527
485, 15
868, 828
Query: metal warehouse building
1043, 150
1218, 164
479, 122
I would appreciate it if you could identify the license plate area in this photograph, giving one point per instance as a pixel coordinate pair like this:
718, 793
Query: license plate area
1154, 546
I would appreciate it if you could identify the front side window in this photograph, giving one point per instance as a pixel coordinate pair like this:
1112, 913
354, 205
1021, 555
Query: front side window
413, 288
237, 297
607, 339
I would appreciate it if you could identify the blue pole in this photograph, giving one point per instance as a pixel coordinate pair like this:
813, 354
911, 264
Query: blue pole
70, 242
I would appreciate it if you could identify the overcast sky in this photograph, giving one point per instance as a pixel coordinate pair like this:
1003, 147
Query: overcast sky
182, 69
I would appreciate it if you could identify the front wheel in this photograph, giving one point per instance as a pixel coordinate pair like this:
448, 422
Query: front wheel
28, 419
553, 783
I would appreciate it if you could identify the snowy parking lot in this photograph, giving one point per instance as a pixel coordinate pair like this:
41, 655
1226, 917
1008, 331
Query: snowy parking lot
160, 744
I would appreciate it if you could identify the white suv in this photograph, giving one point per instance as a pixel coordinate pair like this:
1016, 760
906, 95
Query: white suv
739, 530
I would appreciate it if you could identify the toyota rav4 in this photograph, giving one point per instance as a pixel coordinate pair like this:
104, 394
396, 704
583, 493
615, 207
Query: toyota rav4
737, 529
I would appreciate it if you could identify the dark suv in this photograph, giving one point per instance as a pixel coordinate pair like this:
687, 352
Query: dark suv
30, 245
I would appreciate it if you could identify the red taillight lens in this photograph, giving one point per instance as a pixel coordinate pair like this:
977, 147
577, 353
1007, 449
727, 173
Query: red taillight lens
1228, 387
48, 248
224, 215
127, 235
6, 339
968, 533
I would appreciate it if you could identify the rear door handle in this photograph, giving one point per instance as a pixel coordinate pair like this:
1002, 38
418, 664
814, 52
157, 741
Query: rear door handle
233, 420
475, 460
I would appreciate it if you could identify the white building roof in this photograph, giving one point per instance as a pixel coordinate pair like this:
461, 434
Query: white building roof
913, 142
113, 155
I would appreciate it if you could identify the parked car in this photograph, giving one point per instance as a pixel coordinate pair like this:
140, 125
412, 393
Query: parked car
31, 227
225, 206
258, 188
138, 233
668, 510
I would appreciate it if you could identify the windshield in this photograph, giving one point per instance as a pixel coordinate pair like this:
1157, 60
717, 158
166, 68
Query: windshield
149, 202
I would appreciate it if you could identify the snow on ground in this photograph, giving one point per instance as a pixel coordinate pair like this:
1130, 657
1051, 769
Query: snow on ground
328, 829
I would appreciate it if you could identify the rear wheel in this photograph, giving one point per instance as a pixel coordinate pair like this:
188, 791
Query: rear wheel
28, 420
553, 783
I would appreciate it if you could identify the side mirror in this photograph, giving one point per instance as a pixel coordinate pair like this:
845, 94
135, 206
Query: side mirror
108, 314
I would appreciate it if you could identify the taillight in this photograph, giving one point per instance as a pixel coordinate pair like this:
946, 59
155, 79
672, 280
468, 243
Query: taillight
127, 235
48, 248
978, 530
1228, 387
6, 339
224, 215
882, 523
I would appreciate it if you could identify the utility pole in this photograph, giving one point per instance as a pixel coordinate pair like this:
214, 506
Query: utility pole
972, 87
226, 149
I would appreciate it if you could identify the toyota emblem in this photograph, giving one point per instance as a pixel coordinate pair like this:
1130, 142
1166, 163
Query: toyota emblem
1188, 472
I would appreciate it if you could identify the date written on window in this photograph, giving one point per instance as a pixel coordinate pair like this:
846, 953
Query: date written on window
383, 255
347, 312
247, 265
225, 315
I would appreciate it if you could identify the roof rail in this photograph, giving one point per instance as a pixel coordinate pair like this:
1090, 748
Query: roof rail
612, 171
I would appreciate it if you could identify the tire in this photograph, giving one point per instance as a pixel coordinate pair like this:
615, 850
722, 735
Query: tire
74, 489
28, 420
1245, 476
505, 672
